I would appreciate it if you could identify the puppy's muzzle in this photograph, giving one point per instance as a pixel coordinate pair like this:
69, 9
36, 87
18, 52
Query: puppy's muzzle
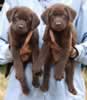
20, 27
58, 24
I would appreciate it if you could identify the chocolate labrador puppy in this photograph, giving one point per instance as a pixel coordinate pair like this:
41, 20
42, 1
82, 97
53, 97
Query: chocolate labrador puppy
23, 42
59, 38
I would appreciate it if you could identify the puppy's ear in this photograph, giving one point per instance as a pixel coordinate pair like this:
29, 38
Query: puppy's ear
45, 16
71, 13
35, 21
10, 13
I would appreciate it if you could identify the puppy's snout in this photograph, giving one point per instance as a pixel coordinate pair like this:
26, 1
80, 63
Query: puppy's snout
20, 26
58, 23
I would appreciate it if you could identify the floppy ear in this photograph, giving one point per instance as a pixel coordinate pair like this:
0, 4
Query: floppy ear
35, 21
71, 13
10, 13
45, 16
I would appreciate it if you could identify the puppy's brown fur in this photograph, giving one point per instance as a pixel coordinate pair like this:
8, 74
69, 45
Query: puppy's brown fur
23, 39
59, 38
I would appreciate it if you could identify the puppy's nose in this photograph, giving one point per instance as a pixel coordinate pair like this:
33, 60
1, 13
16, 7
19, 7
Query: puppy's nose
58, 23
20, 26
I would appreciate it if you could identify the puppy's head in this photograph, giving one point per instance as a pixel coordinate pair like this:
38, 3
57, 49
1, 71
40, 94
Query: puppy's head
22, 19
58, 16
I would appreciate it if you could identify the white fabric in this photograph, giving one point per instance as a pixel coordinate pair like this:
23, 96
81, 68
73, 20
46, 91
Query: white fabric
58, 89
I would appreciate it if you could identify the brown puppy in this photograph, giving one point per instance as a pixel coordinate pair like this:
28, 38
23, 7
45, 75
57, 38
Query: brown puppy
23, 39
59, 37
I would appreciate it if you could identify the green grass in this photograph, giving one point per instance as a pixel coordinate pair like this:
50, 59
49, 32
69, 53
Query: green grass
3, 81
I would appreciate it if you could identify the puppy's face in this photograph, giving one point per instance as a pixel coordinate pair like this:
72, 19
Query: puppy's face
58, 19
22, 19
58, 16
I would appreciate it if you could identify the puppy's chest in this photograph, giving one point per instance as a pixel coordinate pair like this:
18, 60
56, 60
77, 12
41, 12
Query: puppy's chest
20, 40
62, 38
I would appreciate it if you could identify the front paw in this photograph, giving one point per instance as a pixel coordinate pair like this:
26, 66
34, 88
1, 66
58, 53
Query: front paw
20, 76
25, 90
24, 85
35, 81
44, 87
59, 76
36, 84
72, 89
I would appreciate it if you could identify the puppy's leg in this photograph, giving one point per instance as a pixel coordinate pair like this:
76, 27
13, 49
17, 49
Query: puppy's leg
19, 69
70, 64
44, 52
35, 46
59, 70
45, 85
60, 61
35, 53
35, 81
69, 76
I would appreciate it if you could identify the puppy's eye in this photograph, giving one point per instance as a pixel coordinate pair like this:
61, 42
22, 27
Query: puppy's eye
63, 16
58, 14
15, 19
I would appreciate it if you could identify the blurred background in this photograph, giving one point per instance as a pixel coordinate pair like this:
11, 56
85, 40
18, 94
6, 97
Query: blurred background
4, 81
1, 3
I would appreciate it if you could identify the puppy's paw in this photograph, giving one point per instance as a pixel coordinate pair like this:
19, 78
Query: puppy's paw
44, 87
73, 90
25, 90
59, 77
35, 81
36, 84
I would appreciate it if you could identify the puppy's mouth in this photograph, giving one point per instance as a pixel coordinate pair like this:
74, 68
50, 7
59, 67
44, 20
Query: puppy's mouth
58, 27
21, 31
